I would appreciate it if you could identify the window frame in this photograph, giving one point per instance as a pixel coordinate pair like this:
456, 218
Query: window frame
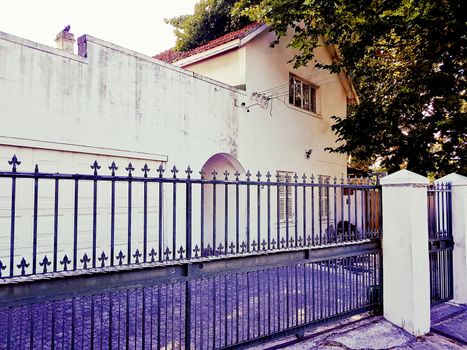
281, 177
312, 95
323, 197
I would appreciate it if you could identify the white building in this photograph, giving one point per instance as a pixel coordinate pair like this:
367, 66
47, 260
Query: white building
229, 111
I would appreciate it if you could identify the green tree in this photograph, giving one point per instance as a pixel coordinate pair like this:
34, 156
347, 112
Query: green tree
407, 60
210, 20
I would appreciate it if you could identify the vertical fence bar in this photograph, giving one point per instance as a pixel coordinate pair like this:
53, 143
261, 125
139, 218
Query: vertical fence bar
12, 222
304, 210
341, 227
95, 167
55, 226
226, 215
327, 208
34, 227
130, 193
188, 215
442, 194
362, 209
188, 296
214, 212
75, 225
268, 176
287, 211
320, 208
278, 218
145, 220
296, 209
258, 211
355, 212
161, 207
237, 214
174, 215
312, 210
112, 221
202, 212
248, 210
349, 221
335, 208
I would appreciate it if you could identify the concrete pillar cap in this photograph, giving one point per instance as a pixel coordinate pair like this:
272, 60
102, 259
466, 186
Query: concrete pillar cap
404, 177
454, 178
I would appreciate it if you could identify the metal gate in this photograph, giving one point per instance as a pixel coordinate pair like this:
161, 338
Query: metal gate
91, 261
440, 242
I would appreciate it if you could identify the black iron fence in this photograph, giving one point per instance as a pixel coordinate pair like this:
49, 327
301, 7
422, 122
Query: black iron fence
440, 242
59, 223
204, 305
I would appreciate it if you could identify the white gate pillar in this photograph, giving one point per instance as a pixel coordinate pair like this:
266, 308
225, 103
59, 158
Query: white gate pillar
459, 234
406, 270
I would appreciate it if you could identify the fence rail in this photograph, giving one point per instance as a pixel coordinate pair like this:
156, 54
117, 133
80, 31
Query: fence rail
209, 305
52, 222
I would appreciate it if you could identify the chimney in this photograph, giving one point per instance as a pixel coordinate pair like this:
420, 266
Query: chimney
65, 40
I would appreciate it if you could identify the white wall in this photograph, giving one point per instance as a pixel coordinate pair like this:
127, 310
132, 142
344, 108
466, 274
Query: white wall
63, 111
115, 99
227, 67
284, 131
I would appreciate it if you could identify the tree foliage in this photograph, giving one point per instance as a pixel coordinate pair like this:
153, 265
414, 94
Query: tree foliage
406, 58
210, 20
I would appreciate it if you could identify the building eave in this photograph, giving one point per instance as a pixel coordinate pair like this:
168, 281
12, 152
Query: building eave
345, 79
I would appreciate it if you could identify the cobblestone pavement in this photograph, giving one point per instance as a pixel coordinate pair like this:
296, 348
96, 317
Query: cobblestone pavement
370, 332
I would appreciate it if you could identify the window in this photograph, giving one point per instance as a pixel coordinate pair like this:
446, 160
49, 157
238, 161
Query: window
324, 197
285, 198
302, 94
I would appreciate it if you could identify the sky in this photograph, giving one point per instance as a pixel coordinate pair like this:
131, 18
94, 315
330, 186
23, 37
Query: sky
134, 24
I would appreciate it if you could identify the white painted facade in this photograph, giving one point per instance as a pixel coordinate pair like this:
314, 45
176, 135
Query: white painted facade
63, 111
285, 131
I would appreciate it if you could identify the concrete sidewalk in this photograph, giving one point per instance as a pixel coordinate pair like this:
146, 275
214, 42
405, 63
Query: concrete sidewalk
450, 320
374, 332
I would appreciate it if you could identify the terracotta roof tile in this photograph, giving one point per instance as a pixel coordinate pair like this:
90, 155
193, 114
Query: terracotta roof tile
171, 55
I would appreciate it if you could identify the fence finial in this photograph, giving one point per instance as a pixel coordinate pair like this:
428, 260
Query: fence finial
103, 258
2, 267
14, 162
113, 167
174, 171
120, 258
258, 175
137, 255
145, 169
130, 168
23, 265
214, 173
226, 174
45, 262
85, 261
95, 166
152, 254
160, 170
188, 172
65, 262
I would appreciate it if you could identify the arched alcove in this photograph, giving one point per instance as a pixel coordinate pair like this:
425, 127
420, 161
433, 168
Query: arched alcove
222, 162
219, 204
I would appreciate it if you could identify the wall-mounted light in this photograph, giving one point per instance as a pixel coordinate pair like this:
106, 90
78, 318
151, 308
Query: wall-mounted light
308, 153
